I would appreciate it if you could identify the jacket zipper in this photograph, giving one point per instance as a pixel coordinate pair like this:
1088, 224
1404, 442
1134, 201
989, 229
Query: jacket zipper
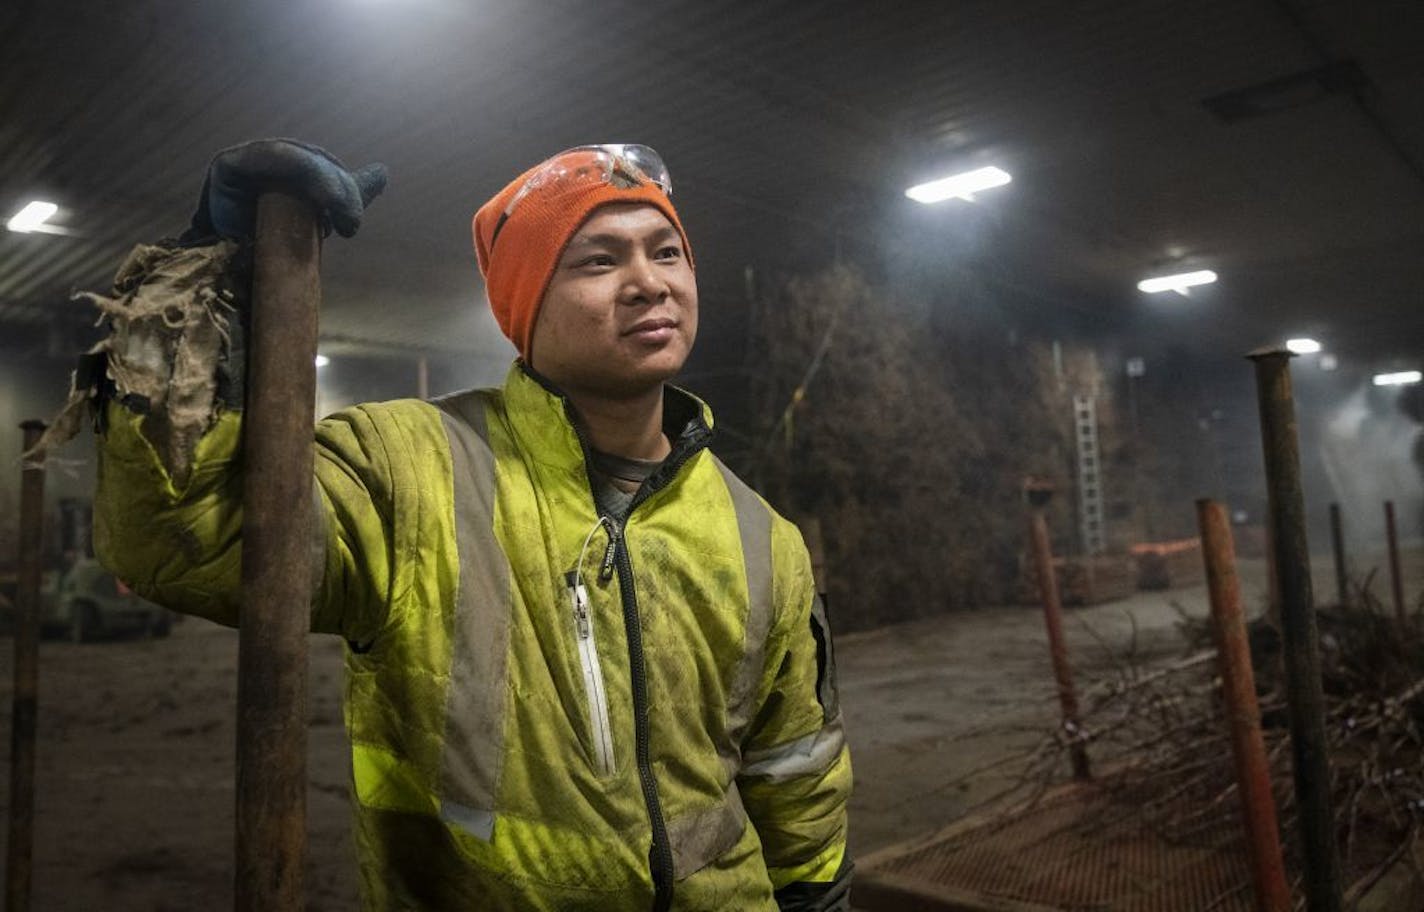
592, 680
660, 854
605, 570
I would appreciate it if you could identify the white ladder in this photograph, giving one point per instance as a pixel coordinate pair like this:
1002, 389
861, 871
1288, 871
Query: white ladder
1090, 478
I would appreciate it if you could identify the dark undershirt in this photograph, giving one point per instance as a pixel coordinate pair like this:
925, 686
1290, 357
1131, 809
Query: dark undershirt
616, 480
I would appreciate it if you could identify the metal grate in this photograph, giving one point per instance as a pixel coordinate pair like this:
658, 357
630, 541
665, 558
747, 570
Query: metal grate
1079, 849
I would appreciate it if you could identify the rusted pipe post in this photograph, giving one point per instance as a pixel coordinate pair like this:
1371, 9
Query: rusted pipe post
1337, 542
1299, 639
1053, 621
1396, 582
1238, 684
19, 852
1273, 580
276, 562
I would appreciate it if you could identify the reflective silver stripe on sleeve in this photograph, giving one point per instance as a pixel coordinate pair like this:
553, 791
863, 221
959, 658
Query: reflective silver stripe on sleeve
805, 756
474, 704
754, 527
700, 838
475, 821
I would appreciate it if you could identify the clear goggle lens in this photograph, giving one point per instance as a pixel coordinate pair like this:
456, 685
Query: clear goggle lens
624, 165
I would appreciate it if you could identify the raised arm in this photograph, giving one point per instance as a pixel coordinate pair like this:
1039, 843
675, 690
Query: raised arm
165, 391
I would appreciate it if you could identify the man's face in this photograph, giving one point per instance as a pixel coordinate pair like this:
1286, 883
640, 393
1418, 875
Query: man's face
620, 313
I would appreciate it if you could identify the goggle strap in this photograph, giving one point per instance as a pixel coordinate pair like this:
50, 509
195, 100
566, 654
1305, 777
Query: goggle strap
498, 226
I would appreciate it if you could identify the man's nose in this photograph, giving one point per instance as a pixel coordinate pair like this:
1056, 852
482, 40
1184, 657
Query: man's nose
646, 282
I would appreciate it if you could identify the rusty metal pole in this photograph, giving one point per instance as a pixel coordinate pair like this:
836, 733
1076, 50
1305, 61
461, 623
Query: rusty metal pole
276, 562
1337, 542
1057, 644
1273, 580
1396, 582
1238, 684
19, 853
1300, 641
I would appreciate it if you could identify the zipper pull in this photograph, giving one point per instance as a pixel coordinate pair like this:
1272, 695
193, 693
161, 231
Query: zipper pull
605, 572
578, 594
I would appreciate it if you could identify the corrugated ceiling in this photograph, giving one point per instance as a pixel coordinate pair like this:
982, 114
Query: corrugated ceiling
786, 124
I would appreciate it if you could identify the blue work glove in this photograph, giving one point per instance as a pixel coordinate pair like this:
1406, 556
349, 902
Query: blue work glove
238, 175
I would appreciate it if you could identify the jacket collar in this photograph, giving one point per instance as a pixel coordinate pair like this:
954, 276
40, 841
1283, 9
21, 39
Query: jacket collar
544, 421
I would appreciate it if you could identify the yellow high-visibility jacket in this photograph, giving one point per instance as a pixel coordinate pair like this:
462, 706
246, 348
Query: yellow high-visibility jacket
546, 711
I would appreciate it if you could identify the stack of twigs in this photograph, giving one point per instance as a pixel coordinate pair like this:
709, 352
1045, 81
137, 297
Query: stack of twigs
1162, 734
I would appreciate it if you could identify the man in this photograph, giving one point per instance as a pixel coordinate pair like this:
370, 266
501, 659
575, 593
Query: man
587, 666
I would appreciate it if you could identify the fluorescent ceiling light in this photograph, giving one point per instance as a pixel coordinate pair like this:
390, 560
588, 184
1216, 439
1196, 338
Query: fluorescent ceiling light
32, 216
1303, 346
1399, 378
959, 186
1178, 283
322, 360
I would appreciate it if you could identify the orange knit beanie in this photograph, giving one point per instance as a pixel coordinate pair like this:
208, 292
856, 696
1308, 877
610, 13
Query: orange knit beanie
518, 264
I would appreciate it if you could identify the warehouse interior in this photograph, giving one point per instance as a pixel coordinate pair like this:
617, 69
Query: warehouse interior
886, 372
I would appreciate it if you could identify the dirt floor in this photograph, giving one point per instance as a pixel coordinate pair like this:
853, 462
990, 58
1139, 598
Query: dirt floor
134, 796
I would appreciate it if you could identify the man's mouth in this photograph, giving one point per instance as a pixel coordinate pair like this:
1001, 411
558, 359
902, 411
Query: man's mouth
654, 330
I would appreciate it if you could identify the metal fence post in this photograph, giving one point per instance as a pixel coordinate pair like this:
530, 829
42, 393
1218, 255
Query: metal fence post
1053, 620
1396, 581
19, 852
1243, 714
1337, 542
1299, 638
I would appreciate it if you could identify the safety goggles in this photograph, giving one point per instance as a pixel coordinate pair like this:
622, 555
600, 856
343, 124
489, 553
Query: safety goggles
622, 165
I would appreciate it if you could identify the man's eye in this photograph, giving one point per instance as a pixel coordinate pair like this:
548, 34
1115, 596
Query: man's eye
670, 252
598, 259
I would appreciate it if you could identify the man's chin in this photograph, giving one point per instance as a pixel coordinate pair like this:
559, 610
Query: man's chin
646, 375
658, 366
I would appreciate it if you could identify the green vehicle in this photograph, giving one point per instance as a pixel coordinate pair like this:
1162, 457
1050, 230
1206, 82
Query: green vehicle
87, 602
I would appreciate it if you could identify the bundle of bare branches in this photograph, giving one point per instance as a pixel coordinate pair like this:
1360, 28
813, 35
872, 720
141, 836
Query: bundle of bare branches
907, 436
1159, 733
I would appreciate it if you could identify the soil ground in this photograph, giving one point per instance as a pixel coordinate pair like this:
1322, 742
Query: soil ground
134, 794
